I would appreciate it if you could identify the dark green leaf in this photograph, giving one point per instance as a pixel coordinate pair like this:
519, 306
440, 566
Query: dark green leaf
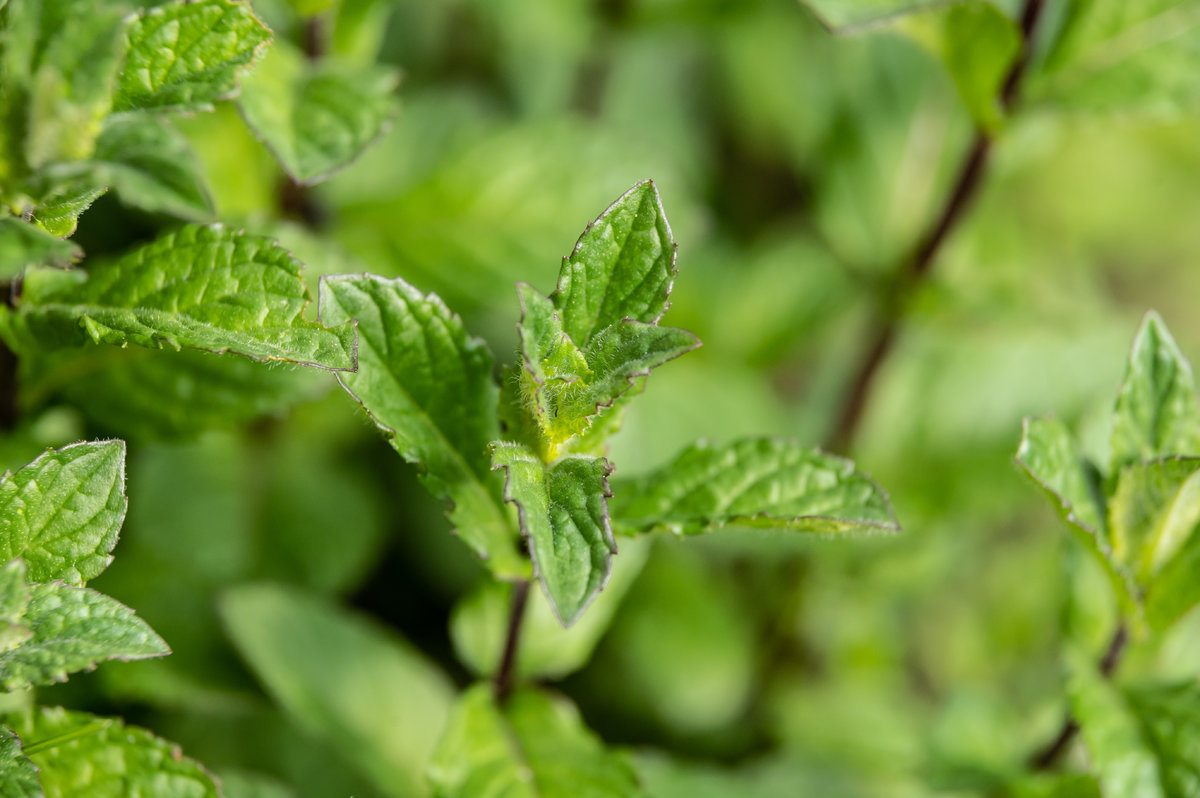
359, 687
429, 386
205, 288
1156, 412
535, 747
22, 244
316, 118
79, 754
150, 166
73, 629
62, 512
184, 56
1169, 717
153, 394
18, 775
623, 266
563, 509
757, 482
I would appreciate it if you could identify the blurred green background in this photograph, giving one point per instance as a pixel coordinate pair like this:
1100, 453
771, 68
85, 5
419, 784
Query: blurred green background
797, 169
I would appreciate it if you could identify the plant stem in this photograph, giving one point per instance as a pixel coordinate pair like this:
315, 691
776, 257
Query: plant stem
506, 673
1046, 757
917, 266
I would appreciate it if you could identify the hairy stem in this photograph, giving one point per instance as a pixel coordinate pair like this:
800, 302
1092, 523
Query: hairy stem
917, 267
506, 673
1048, 755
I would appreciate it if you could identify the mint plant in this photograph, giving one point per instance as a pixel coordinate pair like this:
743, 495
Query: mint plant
59, 520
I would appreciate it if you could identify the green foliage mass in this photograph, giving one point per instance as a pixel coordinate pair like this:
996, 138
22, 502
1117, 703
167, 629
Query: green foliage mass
536, 551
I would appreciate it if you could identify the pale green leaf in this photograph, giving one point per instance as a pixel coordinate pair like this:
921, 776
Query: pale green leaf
623, 266
1153, 512
58, 213
756, 482
62, 512
429, 386
14, 600
1048, 456
563, 509
316, 117
79, 754
978, 45
534, 747
1143, 740
1156, 413
363, 690
150, 165
22, 244
1169, 717
848, 14
18, 775
1123, 761
1174, 590
1123, 57
184, 55
74, 628
547, 651
567, 388
205, 288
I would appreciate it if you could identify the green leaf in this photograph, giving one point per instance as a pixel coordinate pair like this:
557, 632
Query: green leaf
58, 213
62, 59
1169, 718
74, 628
623, 266
317, 117
79, 754
756, 482
18, 775
360, 688
1143, 740
205, 288
150, 166
567, 388
1153, 512
184, 56
1048, 456
547, 650
1156, 412
22, 244
1122, 57
844, 14
978, 45
154, 394
14, 600
62, 512
429, 386
563, 509
1124, 763
535, 747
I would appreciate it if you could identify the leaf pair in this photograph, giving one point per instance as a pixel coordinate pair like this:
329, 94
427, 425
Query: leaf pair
59, 520
1140, 519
